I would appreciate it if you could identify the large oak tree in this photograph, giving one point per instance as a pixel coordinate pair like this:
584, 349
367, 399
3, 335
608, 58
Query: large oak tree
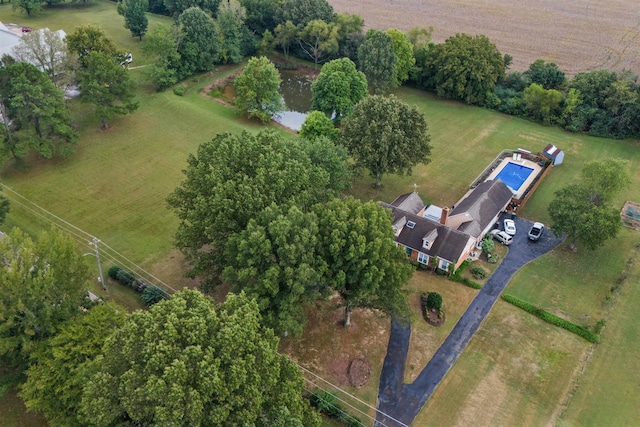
465, 68
385, 135
59, 369
189, 362
584, 210
233, 178
364, 266
43, 284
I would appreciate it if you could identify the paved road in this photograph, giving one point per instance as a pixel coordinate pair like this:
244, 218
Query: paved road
402, 402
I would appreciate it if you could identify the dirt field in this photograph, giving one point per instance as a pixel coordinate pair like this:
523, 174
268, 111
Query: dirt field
578, 35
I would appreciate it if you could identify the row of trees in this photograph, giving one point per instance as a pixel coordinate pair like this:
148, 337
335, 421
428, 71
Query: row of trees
466, 68
35, 117
186, 361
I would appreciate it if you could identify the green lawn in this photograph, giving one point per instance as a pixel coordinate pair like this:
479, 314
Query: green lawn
116, 184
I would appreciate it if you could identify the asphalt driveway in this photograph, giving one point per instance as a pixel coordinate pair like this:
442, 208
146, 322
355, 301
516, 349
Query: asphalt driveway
402, 402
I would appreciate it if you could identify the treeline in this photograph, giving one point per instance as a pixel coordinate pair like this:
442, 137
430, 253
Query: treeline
465, 68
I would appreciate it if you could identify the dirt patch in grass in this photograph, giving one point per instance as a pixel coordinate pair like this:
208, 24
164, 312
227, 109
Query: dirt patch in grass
328, 349
577, 35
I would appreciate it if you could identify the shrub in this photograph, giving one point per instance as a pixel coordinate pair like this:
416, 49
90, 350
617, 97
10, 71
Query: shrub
552, 318
113, 272
179, 90
125, 277
488, 245
493, 258
434, 300
478, 272
152, 294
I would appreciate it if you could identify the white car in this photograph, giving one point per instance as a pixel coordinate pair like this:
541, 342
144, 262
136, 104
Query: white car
510, 227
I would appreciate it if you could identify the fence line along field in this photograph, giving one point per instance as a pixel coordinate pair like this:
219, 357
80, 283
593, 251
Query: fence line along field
577, 35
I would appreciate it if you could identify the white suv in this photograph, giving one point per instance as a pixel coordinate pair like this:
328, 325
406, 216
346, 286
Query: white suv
501, 237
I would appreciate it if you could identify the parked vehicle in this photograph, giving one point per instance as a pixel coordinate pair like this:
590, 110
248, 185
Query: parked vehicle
501, 237
536, 231
510, 227
26, 29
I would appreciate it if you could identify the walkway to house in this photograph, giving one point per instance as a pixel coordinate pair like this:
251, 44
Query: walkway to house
402, 402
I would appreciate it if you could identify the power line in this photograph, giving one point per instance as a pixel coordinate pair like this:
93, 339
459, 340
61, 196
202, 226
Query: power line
86, 238
346, 393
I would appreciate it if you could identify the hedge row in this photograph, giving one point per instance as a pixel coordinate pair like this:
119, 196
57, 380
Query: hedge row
325, 402
457, 276
125, 278
552, 318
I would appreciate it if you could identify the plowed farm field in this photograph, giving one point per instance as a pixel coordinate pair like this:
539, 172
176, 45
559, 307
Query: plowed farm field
578, 35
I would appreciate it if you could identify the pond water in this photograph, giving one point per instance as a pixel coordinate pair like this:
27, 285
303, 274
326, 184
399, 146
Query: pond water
296, 94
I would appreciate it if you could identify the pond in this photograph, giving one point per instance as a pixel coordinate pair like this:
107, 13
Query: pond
296, 94
295, 90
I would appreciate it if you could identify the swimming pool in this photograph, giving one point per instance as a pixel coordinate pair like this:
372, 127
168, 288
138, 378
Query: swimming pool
514, 175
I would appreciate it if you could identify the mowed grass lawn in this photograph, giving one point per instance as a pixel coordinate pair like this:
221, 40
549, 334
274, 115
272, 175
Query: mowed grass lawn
517, 368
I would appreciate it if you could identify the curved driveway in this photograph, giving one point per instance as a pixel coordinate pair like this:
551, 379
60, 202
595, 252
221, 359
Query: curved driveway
402, 402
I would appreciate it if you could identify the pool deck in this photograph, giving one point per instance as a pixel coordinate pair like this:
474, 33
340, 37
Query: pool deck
537, 170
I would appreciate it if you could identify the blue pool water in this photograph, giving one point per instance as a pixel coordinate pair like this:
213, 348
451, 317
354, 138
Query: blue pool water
514, 175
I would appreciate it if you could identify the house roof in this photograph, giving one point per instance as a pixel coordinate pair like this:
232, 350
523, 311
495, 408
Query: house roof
409, 202
449, 244
552, 150
481, 206
7, 40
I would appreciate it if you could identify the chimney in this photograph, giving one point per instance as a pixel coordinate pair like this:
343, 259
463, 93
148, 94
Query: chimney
444, 216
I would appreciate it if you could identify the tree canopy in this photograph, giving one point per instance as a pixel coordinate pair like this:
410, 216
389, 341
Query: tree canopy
230, 20
583, 210
404, 52
36, 118
378, 61
545, 74
187, 362
338, 88
318, 125
257, 89
108, 86
60, 368
88, 38
318, 40
135, 19
199, 45
301, 12
274, 261
364, 265
465, 68
233, 178
43, 285
385, 135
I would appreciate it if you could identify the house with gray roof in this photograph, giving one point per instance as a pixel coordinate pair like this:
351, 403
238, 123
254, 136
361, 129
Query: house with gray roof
447, 241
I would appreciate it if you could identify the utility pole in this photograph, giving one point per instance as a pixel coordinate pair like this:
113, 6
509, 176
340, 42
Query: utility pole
97, 255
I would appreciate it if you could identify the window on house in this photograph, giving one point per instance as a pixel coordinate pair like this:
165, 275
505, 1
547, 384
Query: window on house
426, 244
411, 224
408, 250
423, 258
444, 265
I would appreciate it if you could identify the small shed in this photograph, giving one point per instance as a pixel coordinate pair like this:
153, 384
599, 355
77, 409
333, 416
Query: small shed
554, 153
